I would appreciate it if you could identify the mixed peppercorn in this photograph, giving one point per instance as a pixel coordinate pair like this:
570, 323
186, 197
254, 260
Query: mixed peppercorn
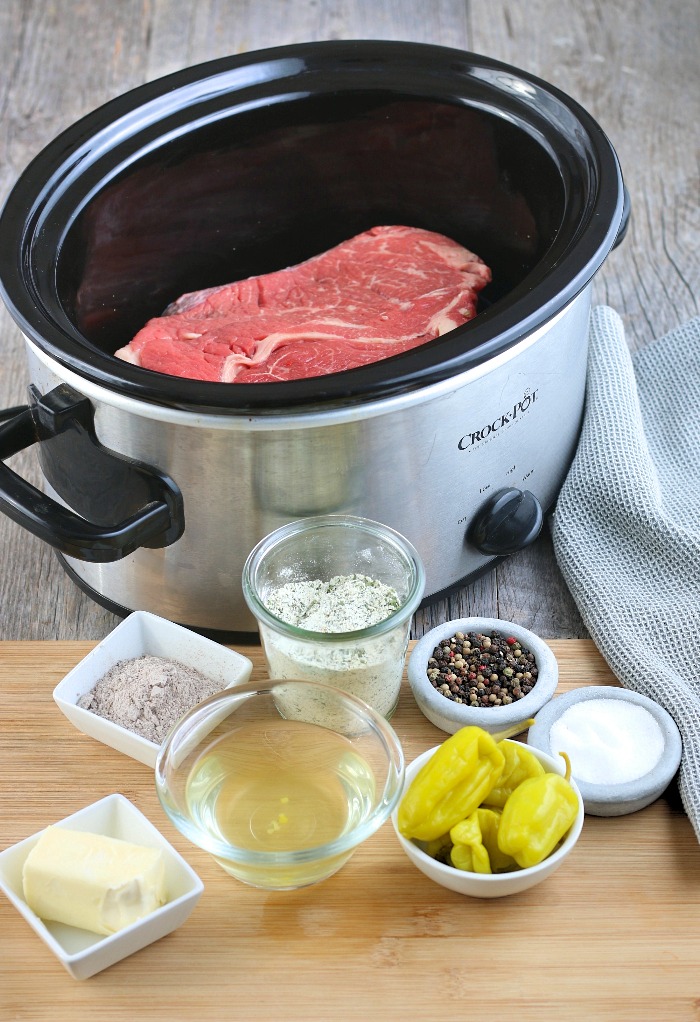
482, 669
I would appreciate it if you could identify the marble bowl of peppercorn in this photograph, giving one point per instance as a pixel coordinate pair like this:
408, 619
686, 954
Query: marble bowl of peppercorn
481, 671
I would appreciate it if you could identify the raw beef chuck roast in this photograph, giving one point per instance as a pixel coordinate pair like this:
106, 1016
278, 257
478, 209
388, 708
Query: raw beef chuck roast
378, 294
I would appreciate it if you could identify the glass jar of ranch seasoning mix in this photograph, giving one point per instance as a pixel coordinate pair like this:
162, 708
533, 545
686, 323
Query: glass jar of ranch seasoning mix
333, 596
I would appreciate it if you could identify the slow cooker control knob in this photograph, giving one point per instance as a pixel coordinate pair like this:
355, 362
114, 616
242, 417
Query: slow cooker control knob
507, 522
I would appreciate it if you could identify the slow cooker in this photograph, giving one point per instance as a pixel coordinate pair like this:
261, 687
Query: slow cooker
157, 487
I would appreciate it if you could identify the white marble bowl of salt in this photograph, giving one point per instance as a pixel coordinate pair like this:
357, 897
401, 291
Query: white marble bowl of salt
624, 748
141, 700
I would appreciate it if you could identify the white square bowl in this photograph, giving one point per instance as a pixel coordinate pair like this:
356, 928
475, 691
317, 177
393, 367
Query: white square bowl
83, 953
143, 634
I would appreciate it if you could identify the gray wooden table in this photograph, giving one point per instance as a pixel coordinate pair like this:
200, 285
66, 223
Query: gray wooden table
632, 63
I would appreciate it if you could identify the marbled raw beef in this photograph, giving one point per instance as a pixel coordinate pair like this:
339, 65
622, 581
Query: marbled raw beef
380, 293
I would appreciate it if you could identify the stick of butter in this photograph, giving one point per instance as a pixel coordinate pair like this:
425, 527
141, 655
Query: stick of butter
92, 881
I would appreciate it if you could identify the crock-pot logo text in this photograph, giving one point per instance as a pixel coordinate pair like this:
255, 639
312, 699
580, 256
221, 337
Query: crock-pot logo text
501, 421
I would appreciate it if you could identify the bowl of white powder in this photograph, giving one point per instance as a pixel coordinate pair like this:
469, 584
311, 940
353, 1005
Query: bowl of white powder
333, 596
134, 686
624, 748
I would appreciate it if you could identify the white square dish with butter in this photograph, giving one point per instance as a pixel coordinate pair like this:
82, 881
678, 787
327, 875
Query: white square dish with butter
99, 885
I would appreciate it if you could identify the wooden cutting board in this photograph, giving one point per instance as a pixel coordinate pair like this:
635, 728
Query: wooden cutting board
614, 934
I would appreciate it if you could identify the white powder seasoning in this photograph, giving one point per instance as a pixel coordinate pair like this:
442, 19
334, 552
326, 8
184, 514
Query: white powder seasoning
608, 741
346, 603
368, 667
148, 694
372, 672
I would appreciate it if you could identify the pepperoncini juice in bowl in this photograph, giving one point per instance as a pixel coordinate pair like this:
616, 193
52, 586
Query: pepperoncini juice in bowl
311, 789
280, 799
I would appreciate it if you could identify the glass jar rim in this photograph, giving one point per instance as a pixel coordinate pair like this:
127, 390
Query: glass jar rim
301, 525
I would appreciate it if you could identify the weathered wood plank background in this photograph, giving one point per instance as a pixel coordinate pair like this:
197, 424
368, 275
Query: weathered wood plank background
632, 63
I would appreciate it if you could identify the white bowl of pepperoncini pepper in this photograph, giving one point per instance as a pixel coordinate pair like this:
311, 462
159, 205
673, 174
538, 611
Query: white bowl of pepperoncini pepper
486, 816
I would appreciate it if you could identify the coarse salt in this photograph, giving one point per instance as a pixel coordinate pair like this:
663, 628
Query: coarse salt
608, 741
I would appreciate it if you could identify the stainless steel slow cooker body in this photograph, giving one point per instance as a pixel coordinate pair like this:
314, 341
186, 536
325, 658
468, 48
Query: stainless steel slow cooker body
248, 164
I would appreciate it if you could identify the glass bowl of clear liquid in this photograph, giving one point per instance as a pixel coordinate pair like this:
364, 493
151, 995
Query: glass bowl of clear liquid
280, 781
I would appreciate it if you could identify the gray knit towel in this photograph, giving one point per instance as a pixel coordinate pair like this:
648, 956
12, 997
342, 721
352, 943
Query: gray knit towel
626, 528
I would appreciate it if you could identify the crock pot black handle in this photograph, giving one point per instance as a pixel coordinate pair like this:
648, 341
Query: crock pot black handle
63, 420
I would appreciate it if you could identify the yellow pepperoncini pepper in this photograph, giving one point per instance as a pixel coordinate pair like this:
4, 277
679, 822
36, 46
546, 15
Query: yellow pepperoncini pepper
468, 850
519, 765
451, 785
475, 844
462, 857
438, 849
537, 816
490, 822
